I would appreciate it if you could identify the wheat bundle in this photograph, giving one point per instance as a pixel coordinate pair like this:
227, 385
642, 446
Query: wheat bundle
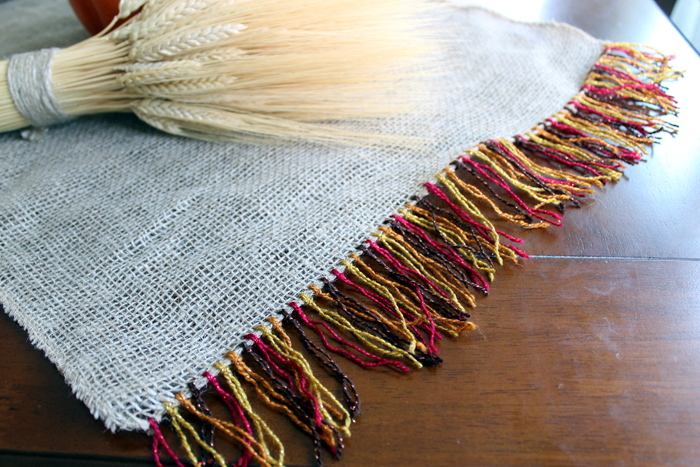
226, 70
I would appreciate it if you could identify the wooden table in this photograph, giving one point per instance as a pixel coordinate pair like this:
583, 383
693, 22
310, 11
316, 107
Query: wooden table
587, 354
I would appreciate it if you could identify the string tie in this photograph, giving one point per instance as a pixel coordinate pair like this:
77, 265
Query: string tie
29, 83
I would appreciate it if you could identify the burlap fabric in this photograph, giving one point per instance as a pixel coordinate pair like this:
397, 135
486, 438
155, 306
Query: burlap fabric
135, 259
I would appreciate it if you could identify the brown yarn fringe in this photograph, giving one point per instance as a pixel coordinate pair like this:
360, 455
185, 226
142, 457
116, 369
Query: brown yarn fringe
414, 282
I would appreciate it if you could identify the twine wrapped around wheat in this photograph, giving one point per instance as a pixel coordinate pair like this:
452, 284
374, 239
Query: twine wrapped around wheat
225, 70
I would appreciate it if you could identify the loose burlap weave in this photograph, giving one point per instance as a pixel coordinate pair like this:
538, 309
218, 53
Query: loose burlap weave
135, 259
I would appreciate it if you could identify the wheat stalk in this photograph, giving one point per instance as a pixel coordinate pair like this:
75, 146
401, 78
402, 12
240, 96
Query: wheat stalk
235, 69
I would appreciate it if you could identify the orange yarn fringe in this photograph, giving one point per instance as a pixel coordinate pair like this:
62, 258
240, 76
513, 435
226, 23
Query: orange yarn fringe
416, 279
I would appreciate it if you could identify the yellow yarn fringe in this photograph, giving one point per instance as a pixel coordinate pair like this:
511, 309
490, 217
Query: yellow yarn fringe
415, 276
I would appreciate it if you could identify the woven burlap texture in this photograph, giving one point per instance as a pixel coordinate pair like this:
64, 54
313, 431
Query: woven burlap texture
135, 259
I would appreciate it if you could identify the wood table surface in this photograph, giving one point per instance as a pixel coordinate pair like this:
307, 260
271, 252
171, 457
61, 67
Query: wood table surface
586, 354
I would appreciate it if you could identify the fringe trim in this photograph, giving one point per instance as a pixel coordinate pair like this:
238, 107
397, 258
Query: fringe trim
416, 279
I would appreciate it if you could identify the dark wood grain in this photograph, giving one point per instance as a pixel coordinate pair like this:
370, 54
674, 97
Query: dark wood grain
577, 362
586, 355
